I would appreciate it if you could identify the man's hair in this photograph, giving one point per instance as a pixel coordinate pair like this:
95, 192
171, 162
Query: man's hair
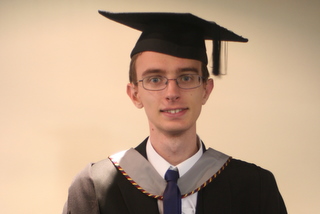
133, 73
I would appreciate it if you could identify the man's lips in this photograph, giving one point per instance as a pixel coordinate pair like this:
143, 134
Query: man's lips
173, 111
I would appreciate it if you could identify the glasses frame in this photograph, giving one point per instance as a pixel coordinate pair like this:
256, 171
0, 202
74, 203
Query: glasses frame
200, 78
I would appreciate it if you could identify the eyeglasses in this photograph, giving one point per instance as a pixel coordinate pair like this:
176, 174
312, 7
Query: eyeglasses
185, 81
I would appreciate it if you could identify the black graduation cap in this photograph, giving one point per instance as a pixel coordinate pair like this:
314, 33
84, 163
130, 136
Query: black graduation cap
177, 34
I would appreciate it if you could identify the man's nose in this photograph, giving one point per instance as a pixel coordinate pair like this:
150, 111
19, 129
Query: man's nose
172, 90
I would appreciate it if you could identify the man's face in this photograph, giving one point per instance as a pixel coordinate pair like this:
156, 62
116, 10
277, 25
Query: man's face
172, 110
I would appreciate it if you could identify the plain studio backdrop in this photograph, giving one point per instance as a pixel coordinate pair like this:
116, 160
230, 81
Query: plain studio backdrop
63, 75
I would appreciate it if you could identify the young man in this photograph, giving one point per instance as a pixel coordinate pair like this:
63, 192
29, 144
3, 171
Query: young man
172, 172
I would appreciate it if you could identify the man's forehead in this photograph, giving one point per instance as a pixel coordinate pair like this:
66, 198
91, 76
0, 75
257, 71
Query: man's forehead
158, 63
154, 58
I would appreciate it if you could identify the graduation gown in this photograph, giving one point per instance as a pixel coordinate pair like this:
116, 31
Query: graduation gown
240, 188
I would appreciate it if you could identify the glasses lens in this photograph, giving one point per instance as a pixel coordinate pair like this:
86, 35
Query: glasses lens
188, 81
154, 83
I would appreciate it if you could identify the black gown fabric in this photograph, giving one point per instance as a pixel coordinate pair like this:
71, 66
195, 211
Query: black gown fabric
241, 188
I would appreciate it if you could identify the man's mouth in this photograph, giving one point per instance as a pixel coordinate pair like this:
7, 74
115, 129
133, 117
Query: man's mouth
173, 111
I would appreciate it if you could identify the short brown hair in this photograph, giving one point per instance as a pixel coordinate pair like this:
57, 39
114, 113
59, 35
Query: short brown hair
133, 73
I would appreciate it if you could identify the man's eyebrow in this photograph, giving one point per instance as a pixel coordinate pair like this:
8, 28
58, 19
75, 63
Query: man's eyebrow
189, 69
156, 71
152, 71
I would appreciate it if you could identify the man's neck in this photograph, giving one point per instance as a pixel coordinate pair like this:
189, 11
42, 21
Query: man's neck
175, 148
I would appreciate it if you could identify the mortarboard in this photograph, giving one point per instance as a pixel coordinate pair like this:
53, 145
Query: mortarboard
177, 34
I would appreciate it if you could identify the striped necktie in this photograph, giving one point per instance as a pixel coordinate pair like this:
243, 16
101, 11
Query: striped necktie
172, 195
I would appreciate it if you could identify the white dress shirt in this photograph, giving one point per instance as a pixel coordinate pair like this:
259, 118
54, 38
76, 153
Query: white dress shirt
161, 165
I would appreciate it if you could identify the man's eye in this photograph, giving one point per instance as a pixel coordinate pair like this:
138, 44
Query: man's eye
154, 79
186, 78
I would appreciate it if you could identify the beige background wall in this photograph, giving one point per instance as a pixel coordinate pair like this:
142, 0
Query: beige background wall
63, 72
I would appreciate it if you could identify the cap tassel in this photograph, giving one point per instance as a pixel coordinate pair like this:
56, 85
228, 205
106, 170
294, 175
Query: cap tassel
216, 57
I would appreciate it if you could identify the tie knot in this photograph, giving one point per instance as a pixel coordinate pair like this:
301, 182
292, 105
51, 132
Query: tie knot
171, 175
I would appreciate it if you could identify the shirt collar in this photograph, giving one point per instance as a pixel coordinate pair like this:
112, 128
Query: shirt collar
161, 165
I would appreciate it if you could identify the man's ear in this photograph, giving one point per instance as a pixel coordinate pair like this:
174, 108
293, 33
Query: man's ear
132, 91
208, 87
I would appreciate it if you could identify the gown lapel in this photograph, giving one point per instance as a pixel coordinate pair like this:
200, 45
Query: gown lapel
136, 202
141, 174
205, 170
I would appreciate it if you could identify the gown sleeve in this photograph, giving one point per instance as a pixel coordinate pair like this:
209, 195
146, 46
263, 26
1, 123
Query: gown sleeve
271, 199
82, 196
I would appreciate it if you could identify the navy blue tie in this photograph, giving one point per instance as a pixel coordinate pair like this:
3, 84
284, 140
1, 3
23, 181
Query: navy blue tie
172, 195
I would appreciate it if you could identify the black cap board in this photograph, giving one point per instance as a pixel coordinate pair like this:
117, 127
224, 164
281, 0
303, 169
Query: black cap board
177, 34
